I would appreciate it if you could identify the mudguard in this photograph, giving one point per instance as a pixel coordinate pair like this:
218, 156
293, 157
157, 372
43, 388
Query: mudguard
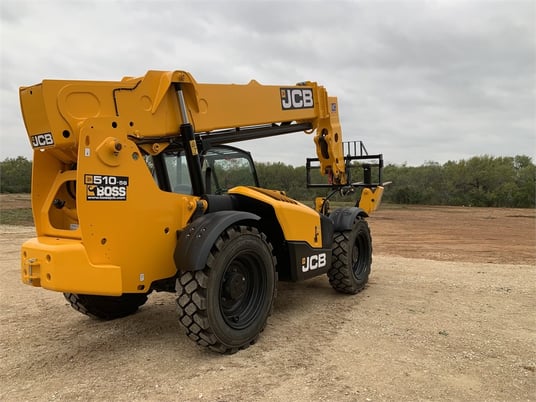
196, 240
343, 218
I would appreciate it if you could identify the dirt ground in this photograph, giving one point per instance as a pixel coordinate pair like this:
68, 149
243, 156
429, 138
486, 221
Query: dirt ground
449, 314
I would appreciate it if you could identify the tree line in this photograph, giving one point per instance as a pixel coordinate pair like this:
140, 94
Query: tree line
483, 181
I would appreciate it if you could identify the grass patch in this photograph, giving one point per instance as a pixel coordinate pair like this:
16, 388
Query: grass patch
18, 216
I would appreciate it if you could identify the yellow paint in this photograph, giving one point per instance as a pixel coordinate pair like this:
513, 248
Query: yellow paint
298, 221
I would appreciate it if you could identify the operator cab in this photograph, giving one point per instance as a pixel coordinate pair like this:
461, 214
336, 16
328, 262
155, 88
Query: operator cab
223, 168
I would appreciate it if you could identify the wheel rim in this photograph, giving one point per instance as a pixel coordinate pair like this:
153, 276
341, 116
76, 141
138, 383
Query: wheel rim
242, 291
360, 256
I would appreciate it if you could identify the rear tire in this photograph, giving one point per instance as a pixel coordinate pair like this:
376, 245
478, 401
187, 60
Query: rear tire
352, 258
106, 307
226, 305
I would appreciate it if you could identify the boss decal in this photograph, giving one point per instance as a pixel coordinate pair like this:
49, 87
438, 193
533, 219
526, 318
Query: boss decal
297, 98
42, 140
105, 188
313, 262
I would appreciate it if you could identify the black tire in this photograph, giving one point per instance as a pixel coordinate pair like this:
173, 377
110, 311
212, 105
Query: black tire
106, 307
226, 305
351, 258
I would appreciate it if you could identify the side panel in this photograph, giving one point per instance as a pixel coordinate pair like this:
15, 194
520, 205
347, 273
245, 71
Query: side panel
305, 248
307, 261
125, 219
298, 222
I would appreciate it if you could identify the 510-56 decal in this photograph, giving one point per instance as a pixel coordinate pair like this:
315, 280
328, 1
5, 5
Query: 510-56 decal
106, 188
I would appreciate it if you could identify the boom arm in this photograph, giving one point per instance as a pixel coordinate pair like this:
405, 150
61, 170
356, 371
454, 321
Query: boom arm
152, 109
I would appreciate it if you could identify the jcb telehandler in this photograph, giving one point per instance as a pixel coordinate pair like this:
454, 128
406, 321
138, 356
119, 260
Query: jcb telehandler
134, 190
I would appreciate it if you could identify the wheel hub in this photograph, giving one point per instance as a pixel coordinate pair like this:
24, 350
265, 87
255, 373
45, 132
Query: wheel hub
234, 287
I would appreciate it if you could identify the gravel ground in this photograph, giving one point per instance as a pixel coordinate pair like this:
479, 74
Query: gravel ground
424, 329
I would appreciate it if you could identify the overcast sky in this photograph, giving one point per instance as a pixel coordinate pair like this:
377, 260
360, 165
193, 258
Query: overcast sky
416, 80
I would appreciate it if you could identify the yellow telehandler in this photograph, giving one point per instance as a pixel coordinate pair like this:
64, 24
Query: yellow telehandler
135, 189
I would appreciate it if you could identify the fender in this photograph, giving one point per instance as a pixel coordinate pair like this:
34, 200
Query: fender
343, 218
196, 240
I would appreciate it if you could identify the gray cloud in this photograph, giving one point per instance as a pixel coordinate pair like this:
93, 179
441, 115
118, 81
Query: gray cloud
416, 80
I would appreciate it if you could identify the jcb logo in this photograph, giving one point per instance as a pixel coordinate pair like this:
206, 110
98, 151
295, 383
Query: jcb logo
297, 98
42, 140
313, 262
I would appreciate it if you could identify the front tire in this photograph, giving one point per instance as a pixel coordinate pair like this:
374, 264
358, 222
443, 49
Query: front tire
106, 307
352, 258
226, 305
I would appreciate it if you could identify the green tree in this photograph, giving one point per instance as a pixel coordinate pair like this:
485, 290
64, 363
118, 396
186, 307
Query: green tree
525, 182
15, 175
